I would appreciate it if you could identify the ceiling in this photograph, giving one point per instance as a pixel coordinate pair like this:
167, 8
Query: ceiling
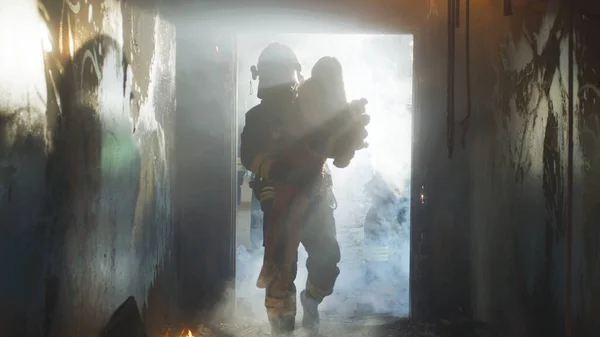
323, 16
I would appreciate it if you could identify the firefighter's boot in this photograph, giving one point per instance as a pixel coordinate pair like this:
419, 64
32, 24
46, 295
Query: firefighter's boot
310, 319
282, 326
281, 310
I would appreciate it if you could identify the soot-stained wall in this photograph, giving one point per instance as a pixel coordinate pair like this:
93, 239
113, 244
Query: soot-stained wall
205, 157
490, 230
87, 97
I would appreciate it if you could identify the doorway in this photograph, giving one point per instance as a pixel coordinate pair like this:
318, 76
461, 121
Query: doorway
372, 193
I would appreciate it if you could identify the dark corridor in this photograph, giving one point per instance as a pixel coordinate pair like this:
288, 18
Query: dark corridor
117, 165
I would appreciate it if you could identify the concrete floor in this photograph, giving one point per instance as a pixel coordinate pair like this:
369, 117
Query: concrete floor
330, 327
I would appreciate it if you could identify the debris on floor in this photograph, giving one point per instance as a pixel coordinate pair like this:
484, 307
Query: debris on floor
462, 327
361, 327
407, 328
125, 321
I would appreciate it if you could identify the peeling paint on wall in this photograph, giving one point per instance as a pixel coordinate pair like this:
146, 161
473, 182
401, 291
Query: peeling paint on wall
85, 183
516, 174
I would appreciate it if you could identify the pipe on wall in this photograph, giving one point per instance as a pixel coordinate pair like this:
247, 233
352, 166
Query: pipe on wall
569, 253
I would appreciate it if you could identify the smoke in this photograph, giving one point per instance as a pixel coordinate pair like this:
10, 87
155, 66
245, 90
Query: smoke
379, 68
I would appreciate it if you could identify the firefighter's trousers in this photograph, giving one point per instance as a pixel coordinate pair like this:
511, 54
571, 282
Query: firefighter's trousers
320, 241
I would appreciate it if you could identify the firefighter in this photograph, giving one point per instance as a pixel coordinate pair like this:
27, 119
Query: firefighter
278, 71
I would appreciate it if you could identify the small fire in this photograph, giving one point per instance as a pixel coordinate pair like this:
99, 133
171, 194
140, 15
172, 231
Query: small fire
187, 333
184, 333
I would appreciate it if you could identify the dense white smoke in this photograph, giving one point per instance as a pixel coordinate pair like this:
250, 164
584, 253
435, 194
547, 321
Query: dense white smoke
379, 68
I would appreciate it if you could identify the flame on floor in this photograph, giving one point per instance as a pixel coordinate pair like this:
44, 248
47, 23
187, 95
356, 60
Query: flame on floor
188, 334
184, 333
201, 331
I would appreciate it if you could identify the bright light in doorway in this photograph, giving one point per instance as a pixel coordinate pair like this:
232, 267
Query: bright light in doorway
378, 68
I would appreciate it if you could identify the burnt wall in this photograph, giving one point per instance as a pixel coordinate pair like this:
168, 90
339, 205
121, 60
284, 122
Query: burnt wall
489, 233
87, 97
